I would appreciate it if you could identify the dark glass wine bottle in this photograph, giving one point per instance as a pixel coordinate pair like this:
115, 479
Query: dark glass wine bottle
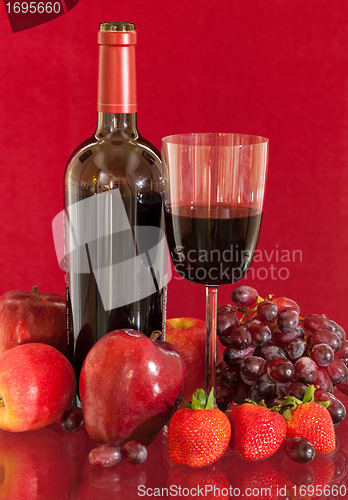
115, 242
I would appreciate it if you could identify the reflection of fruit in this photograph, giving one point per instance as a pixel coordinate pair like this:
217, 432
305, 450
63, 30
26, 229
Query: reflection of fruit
130, 386
32, 317
324, 469
263, 480
33, 465
309, 480
199, 435
297, 474
257, 432
211, 481
188, 336
102, 483
37, 383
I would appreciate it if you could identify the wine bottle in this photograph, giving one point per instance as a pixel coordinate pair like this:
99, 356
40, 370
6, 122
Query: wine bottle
115, 240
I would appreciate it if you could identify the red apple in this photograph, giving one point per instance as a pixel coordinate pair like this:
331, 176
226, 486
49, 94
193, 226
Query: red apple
33, 317
130, 386
33, 465
37, 383
188, 335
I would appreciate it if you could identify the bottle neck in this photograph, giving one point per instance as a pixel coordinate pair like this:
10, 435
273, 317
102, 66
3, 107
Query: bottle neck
122, 124
116, 76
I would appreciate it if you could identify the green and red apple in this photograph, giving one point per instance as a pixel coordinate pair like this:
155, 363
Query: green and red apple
188, 335
37, 383
33, 317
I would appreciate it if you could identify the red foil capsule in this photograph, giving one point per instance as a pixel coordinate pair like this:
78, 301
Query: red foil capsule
117, 80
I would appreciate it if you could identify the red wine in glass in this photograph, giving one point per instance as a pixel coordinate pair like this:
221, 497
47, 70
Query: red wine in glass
212, 244
213, 197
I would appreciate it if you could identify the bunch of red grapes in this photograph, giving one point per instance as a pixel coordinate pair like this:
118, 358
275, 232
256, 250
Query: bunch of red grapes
272, 353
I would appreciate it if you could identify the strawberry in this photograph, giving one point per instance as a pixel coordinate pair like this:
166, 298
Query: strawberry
257, 432
198, 434
310, 420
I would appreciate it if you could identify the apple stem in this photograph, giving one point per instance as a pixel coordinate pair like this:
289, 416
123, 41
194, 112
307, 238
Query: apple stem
156, 334
2, 403
34, 289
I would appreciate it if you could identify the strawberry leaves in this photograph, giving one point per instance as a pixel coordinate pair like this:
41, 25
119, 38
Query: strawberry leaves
291, 403
200, 401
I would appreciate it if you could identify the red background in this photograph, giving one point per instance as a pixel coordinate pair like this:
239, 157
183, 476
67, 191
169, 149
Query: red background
274, 68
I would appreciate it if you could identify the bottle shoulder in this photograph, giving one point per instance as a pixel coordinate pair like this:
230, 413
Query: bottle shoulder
100, 164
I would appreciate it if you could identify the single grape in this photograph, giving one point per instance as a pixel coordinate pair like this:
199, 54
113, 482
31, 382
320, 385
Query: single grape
335, 408
244, 296
296, 349
323, 380
252, 368
263, 389
342, 353
298, 449
281, 389
234, 356
106, 455
270, 351
322, 354
241, 392
326, 337
267, 311
230, 374
315, 322
341, 333
224, 340
240, 337
72, 419
306, 371
298, 474
282, 302
223, 395
296, 389
283, 339
281, 370
343, 388
103, 479
226, 319
260, 332
338, 371
288, 319
134, 452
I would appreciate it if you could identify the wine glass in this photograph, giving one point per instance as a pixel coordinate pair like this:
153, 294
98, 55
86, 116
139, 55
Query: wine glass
213, 197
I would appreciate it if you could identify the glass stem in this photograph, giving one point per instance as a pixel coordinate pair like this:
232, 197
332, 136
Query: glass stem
210, 346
